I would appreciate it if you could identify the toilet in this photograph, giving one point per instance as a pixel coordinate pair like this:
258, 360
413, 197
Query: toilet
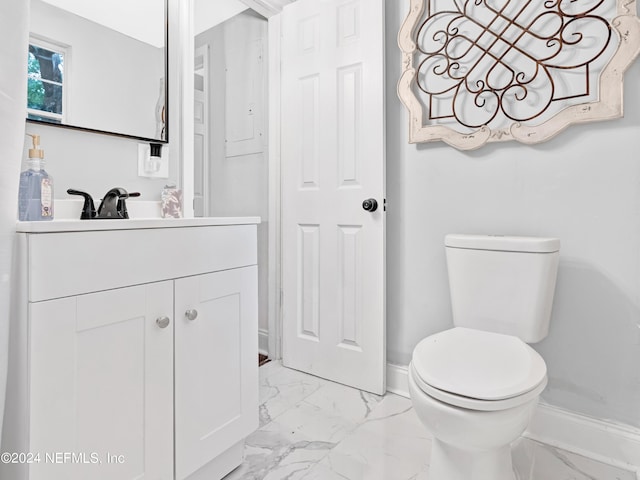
475, 386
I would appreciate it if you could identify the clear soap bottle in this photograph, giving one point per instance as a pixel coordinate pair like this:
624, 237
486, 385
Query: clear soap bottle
35, 202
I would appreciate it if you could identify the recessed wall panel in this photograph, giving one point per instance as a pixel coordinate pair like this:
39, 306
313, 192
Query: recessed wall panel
350, 287
309, 134
198, 113
349, 121
221, 326
308, 281
309, 35
98, 375
348, 23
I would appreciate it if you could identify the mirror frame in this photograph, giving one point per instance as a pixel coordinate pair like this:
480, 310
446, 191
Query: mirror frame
166, 101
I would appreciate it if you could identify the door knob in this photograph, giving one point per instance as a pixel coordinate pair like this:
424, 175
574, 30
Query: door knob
163, 322
370, 205
191, 314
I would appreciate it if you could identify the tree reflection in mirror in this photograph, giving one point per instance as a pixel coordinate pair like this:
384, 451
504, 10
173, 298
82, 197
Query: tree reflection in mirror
45, 90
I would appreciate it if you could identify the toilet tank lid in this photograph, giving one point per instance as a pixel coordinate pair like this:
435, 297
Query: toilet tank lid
503, 243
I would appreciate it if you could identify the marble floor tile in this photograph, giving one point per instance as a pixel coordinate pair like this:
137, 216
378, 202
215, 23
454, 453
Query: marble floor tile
536, 461
276, 452
314, 429
390, 444
346, 402
292, 442
283, 388
269, 369
315, 423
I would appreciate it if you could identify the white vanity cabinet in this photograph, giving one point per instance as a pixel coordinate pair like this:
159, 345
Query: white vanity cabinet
133, 351
214, 323
101, 381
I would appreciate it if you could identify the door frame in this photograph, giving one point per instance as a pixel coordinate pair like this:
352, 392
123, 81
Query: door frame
203, 51
275, 190
271, 10
183, 67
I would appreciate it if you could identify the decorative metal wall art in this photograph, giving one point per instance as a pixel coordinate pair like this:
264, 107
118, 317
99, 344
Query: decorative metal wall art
478, 71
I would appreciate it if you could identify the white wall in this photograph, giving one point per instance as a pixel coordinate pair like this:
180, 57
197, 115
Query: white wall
583, 187
238, 184
13, 96
93, 163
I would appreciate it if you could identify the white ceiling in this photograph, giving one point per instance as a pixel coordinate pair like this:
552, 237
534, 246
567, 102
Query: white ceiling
209, 13
140, 19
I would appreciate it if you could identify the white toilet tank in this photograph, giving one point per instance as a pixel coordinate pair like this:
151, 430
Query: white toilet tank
503, 284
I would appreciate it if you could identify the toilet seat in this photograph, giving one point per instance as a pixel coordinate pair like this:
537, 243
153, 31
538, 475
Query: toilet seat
474, 403
478, 370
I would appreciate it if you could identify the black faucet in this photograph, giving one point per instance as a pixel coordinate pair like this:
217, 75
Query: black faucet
112, 206
88, 209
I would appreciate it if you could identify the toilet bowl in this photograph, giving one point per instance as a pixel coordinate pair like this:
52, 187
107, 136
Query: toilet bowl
475, 392
475, 386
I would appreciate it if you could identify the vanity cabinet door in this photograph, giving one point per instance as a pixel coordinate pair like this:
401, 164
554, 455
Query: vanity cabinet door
216, 366
101, 391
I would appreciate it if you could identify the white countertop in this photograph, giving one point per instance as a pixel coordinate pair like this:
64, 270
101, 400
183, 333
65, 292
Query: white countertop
130, 224
144, 214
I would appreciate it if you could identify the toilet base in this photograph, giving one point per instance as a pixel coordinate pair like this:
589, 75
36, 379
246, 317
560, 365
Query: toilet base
451, 463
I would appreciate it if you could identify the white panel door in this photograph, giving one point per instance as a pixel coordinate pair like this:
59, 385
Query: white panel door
333, 155
101, 385
216, 370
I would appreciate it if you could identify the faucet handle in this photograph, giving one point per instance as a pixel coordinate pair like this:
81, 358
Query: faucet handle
88, 209
122, 206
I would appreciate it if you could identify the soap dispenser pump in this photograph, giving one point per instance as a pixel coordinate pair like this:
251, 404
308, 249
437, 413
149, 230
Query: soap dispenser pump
35, 194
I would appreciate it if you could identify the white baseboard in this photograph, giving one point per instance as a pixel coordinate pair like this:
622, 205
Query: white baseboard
398, 379
263, 342
606, 442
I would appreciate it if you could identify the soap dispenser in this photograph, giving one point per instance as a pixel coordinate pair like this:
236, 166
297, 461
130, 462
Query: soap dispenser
35, 200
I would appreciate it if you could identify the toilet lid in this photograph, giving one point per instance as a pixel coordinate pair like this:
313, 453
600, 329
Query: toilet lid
478, 364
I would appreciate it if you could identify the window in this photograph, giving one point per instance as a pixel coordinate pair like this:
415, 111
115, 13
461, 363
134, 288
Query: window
46, 92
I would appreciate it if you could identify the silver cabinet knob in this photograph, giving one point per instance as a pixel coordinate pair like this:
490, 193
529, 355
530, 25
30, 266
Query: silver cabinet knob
163, 322
191, 314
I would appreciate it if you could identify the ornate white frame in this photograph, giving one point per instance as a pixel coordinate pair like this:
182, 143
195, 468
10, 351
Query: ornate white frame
608, 106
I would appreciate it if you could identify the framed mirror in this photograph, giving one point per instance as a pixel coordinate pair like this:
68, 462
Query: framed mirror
100, 67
